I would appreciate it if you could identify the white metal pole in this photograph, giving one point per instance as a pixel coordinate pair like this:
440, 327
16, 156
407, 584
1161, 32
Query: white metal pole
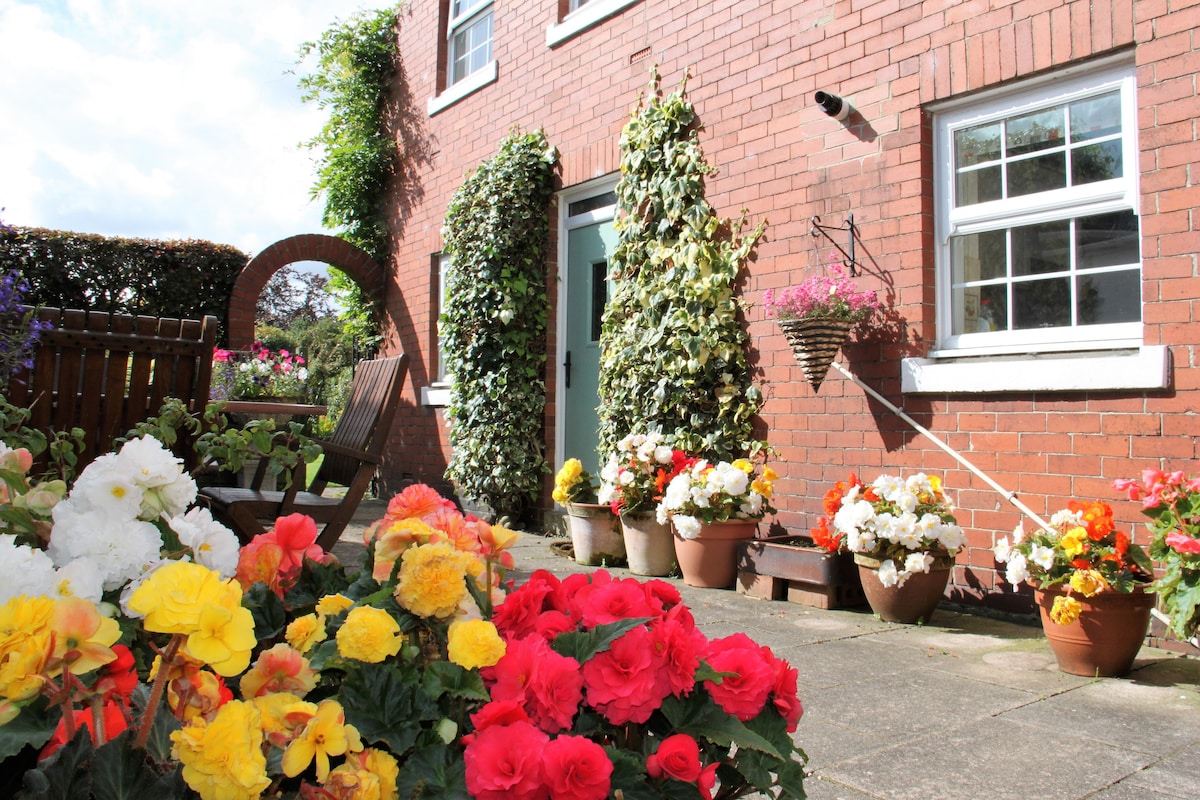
1005, 493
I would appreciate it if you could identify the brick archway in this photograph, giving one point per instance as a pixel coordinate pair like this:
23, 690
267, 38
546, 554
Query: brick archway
331, 250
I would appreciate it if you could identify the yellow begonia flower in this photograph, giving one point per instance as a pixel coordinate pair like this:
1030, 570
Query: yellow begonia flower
433, 579
333, 604
1088, 582
283, 714
369, 634
474, 643
325, 735
1066, 610
303, 633
224, 636
25, 647
174, 596
744, 465
369, 775
83, 639
223, 759
1074, 542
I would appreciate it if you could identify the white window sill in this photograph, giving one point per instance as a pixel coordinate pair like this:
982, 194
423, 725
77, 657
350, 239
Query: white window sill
437, 395
472, 83
1143, 368
579, 21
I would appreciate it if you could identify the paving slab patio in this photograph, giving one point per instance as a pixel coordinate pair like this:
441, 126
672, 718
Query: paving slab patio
964, 707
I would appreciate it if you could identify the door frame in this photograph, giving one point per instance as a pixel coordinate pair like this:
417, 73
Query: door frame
566, 224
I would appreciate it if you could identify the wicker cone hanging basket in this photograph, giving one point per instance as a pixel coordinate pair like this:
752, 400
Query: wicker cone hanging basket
815, 343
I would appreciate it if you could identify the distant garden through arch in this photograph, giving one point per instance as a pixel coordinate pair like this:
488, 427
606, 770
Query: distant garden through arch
331, 250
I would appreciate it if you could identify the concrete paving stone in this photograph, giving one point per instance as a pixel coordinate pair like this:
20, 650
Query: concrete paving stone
1176, 776
904, 705
822, 789
828, 743
1116, 712
989, 758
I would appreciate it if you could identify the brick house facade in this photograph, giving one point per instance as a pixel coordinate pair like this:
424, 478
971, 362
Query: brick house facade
1011, 273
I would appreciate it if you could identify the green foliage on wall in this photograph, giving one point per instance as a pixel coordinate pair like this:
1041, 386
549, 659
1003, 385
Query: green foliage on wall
356, 60
673, 349
131, 276
495, 324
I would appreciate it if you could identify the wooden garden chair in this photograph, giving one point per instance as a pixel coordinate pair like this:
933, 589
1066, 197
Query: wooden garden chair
352, 454
104, 373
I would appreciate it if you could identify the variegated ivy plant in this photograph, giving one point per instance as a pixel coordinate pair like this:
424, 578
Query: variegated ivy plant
673, 345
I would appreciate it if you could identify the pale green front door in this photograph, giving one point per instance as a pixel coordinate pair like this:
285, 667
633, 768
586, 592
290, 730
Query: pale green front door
579, 367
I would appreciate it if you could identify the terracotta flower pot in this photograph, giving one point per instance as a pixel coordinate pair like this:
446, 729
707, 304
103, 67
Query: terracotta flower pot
648, 545
913, 602
595, 534
1106, 637
710, 559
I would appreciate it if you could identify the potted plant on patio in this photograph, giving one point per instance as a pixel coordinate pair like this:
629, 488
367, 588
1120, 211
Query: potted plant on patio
1172, 502
904, 537
595, 533
1090, 583
712, 508
817, 315
632, 483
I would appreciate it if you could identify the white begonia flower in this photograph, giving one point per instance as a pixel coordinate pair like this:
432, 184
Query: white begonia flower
1066, 518
1017, 570
906, 502
625, 478
860, 541
1002, 550
663, 454
80, 578
212, 544
604, 495
951, 536
736, 482
1018, 534
23, 570
887, 573
753, 505
918, 562
686, 526
172, 499
1042, 556
610, 470
151, 464
119, 547
853, 515
106, 488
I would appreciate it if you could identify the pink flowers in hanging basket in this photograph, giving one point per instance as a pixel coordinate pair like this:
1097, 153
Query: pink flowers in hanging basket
831, 294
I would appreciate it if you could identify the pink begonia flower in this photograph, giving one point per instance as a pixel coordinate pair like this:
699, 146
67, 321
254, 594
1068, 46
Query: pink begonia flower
1182, 543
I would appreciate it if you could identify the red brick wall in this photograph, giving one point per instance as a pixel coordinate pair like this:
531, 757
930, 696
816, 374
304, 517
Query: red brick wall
755, 67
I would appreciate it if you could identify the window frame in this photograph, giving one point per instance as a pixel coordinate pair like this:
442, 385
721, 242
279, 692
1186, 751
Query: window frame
1116, 194
475, 80
580, 17
437, 393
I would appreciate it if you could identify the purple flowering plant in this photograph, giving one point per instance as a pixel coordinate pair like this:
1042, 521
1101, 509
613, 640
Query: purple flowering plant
830, 294
20, 327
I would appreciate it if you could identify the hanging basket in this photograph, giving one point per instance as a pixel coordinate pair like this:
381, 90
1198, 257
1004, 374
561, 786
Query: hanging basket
815, 344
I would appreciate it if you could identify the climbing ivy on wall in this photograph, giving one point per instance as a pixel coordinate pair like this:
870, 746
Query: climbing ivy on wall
356, 60
673, 349
495, 324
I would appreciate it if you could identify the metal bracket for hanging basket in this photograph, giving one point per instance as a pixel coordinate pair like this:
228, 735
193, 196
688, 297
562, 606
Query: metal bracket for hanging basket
818, 229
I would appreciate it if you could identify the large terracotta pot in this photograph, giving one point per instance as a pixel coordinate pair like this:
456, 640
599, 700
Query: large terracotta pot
1105, 639
595, 534
710, 559
649, 547
908, 604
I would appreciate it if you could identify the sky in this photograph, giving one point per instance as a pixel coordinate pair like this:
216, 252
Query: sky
161, 119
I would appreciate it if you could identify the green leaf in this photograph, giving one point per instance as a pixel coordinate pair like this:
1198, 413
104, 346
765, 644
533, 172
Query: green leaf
447, 678
699, 716
63, 776
33, 726
120, 772
386, 705
270, 617
435, 771
582, 645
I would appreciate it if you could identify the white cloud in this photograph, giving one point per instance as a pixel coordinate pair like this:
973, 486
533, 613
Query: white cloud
159, 118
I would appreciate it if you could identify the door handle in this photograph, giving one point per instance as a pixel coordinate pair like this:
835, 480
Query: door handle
567, 364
